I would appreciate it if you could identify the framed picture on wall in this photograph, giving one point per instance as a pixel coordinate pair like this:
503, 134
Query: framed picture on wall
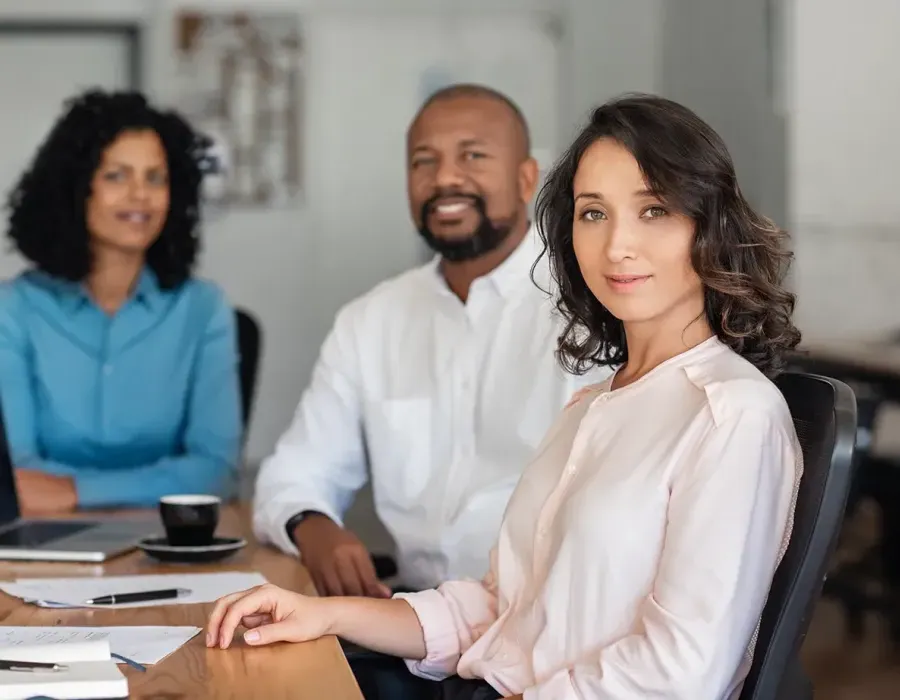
239, 77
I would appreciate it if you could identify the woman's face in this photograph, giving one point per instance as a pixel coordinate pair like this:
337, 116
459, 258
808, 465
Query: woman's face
129, 198
633, 252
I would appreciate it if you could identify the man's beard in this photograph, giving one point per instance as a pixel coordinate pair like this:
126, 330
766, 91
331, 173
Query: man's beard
487, 237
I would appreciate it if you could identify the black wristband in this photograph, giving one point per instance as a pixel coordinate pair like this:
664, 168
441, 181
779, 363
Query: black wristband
294, 521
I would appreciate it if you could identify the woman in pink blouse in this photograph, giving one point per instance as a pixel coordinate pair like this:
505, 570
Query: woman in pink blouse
637, 551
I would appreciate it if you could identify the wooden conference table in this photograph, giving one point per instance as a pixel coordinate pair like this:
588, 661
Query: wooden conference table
309, 671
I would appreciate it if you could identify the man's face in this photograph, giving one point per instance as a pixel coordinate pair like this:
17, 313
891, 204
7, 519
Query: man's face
467, 175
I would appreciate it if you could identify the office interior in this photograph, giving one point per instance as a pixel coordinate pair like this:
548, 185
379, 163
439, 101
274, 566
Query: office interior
803, 92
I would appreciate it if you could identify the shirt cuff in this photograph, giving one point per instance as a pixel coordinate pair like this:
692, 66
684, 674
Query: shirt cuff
273, 526
442, 650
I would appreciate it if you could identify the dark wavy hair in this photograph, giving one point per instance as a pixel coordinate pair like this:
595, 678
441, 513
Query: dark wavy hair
47, 205
740, 256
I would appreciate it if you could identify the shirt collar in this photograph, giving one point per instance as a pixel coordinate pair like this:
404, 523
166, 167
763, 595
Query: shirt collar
509, 275
73, 295
687, 361
147, 290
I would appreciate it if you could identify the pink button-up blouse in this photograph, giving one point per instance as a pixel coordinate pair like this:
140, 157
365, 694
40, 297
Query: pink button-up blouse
637, 551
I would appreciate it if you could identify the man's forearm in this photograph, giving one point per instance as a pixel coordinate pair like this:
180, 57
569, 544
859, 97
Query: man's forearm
386, 626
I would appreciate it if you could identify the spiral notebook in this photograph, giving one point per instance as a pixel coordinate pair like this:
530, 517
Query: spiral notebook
82, 670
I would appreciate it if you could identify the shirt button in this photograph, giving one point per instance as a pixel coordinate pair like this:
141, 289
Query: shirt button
107, 369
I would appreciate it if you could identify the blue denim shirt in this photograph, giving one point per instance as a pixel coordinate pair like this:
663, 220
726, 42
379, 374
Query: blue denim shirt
133, 406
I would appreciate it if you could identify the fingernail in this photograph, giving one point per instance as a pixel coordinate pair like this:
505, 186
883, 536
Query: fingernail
251, 636
209, 639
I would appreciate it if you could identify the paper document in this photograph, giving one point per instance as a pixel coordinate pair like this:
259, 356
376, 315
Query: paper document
73, 592
45, 644
146, 645
85, 666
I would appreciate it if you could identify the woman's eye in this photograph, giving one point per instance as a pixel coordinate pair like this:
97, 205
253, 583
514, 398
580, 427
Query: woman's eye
593, 215
655, 212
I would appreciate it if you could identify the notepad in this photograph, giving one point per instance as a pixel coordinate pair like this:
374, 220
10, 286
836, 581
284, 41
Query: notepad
73, 592
90, 671
145, 645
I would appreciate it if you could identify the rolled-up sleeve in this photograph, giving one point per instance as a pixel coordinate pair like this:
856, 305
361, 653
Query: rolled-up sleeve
727, 525
453, 617
319, 462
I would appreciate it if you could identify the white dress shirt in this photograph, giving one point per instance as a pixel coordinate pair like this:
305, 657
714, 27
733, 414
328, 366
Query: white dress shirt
638, 550
440, 403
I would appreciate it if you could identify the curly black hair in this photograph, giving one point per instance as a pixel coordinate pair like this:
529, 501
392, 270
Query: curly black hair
47, 205
740, 256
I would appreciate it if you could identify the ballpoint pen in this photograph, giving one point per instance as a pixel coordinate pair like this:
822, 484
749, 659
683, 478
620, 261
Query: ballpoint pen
30, 666
138, 597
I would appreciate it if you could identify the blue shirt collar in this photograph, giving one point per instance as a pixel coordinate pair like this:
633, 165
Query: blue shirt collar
147, 290
73, 295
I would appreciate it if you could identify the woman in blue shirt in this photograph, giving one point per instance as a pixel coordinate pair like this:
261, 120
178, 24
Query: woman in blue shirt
118, 369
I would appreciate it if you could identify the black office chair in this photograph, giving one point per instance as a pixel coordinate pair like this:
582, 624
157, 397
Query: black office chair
249, 339
824, 413
871, 581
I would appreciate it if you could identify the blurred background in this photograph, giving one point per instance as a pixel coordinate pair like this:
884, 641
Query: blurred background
309, 101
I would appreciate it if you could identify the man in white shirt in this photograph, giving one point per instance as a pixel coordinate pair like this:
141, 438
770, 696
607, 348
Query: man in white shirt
439, 384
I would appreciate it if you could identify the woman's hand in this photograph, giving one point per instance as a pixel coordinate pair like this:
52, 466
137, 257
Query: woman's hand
270, 614
45, 494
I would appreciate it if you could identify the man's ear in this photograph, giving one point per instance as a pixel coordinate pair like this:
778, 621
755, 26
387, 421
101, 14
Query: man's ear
528, 179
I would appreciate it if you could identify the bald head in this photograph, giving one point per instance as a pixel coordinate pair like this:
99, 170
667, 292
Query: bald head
470, 173
481, 93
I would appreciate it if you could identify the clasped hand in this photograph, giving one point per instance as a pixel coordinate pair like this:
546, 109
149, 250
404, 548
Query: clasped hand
270, 614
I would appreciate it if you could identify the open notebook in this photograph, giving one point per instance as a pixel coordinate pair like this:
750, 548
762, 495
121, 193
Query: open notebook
86, 670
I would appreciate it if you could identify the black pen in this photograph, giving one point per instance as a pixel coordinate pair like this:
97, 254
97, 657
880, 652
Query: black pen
138, 597
30, 666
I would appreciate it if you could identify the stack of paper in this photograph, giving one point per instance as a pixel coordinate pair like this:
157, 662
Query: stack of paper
73, 592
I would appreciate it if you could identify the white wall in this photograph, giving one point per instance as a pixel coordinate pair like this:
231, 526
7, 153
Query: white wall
717, 59
844, 149
613, 46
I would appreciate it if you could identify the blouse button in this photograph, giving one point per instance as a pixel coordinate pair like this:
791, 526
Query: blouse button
571, 469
